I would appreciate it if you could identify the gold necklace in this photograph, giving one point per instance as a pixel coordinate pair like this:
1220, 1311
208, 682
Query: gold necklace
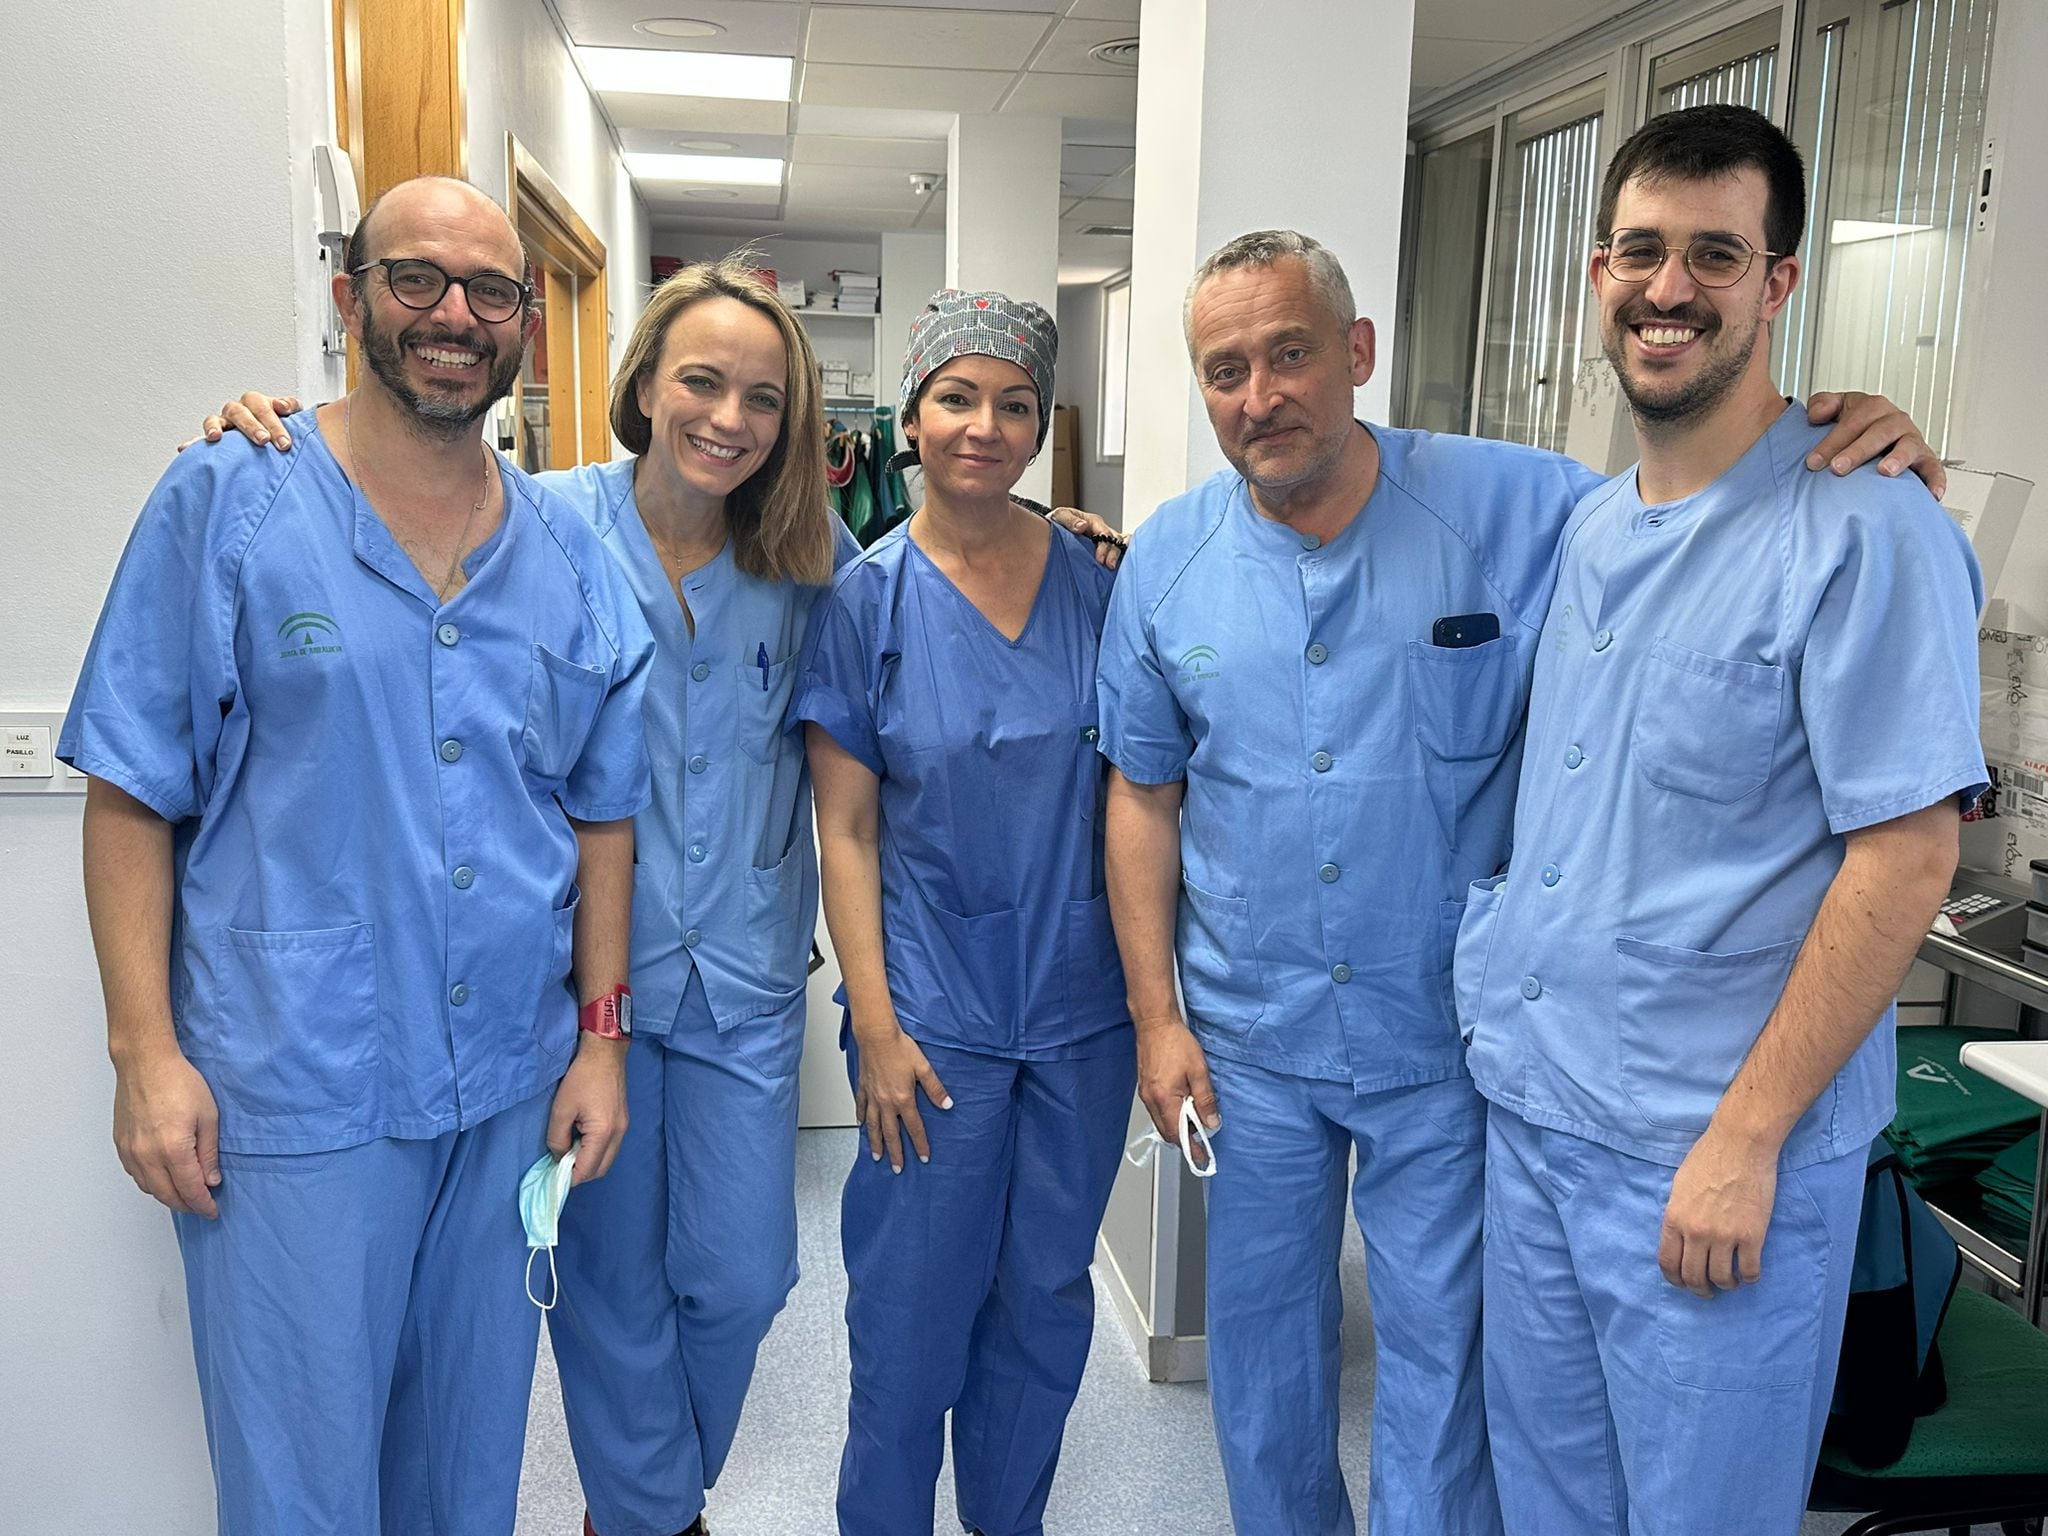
348, 435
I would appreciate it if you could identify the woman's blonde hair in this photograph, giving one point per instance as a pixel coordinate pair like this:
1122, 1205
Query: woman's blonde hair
780, 520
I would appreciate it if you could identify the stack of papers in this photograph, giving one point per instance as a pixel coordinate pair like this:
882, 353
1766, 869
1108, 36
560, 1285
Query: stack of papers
860, 293
792, 292
1952, 1122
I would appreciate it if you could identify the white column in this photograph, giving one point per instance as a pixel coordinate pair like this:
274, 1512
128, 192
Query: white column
1003, 222
913, 269
1286, 114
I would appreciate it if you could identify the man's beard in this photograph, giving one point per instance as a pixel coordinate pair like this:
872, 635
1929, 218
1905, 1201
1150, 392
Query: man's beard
1665, 406
440, 415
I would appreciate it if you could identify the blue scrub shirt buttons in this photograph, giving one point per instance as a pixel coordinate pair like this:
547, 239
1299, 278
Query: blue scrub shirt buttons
451, 749
699, 763
1552, 874
447, 634
1603, 640
1573, 757
1310, 541
700, 671
1328, 874
1318, 654
458, 994
1531, 988
1322, 762
1340, 973
692, 939
696, 853
464, 877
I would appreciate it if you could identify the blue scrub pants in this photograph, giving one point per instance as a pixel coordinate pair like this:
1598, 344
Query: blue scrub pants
968, 1288
674, 1265
364, 1341
1276, 1223
1622, 1404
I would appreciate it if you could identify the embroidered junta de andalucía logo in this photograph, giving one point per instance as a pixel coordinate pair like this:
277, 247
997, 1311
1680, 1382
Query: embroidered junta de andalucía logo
309, 634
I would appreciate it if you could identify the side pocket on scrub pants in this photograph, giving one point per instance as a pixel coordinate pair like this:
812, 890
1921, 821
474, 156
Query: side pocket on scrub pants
561, 706
1685, 1020
303, 1039
1219, 969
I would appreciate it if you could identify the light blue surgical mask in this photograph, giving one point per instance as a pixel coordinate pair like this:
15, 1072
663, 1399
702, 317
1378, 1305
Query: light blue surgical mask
542, 1193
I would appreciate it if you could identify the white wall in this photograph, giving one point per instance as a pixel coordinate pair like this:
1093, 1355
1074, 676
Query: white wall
1079, 384
159, 244
521, 80
810, 260
913, 269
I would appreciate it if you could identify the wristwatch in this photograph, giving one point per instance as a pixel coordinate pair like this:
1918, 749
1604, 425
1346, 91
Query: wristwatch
609, 1017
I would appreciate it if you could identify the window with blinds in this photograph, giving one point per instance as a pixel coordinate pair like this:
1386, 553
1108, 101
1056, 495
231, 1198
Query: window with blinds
1535, 333
1738, 65
1891, 118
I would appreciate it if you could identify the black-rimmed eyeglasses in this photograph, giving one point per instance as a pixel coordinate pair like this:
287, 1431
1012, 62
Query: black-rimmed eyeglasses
1715, 261
419, 284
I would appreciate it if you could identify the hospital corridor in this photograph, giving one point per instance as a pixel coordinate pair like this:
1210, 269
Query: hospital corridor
1024, 767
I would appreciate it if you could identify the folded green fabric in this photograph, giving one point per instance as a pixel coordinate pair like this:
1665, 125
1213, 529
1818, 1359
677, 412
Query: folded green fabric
2007, 1187
1951, 1121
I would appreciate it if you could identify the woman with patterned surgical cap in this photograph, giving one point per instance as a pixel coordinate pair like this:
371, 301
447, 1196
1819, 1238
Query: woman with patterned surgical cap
949, 700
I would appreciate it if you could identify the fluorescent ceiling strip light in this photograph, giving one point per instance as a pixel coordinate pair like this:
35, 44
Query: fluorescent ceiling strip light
682, 72
707, 170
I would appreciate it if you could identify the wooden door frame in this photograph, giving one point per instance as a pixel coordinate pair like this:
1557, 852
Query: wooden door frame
547, 219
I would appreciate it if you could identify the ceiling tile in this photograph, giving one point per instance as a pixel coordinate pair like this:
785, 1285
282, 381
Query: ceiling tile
1042, 7
849, 218
897, 154
1120, 188
694, 114
931, 90
668, 141
1067, 53
933, 39
874, 122
1439, 61
1514, 21
751, 26
1105, 10
852, 186
662, 199
1121, 129
1084, 160
1048, 95
1097, 210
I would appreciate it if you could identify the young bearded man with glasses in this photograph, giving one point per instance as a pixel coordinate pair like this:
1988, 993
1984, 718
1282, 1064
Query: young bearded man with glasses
362, 720
1751, 732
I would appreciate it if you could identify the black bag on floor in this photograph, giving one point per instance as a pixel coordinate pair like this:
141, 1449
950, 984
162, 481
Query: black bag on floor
1899, 1288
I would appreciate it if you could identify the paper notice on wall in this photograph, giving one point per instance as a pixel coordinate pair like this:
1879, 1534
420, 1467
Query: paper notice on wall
1988, 508
2013, 680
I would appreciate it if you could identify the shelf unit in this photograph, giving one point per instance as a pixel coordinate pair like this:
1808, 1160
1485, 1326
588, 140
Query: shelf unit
855, 340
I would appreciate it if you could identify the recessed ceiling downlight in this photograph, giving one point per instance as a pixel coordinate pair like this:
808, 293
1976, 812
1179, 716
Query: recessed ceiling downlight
677, 26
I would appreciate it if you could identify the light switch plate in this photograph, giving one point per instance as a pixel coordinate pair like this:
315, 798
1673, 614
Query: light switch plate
28, 755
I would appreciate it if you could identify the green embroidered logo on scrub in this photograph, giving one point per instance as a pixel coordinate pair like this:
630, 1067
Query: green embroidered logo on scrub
309, 634
1197, 663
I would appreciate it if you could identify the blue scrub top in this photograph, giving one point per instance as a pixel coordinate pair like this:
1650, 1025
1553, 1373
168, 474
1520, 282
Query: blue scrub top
1346, 778
995, 925
726, 882
1728, 684
371, 790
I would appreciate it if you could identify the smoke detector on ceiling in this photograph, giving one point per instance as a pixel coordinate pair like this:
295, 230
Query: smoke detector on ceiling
923, 183
1121, 52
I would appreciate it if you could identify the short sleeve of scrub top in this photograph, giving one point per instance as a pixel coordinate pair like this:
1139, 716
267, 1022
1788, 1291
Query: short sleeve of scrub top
1144, 732
1875, 655
160, 673
611, 780
844, 653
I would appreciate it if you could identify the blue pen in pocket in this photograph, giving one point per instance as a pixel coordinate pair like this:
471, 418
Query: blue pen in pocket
761, 661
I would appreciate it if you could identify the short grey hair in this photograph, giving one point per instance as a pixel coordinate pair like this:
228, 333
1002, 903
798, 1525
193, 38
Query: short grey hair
1263, 248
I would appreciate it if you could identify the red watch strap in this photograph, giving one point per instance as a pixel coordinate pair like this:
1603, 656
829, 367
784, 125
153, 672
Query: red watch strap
611, 1016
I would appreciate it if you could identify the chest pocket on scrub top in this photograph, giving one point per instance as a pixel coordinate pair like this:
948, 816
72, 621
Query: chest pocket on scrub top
561, 707
1706, 726
762, 699
1465, 700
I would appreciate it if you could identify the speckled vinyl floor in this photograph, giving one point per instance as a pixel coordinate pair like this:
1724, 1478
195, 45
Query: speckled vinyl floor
1139, 1457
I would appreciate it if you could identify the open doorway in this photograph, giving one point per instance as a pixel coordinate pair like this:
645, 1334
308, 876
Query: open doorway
562, 418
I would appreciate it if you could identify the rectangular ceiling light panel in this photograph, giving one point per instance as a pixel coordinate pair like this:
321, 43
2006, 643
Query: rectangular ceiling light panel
682, 72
